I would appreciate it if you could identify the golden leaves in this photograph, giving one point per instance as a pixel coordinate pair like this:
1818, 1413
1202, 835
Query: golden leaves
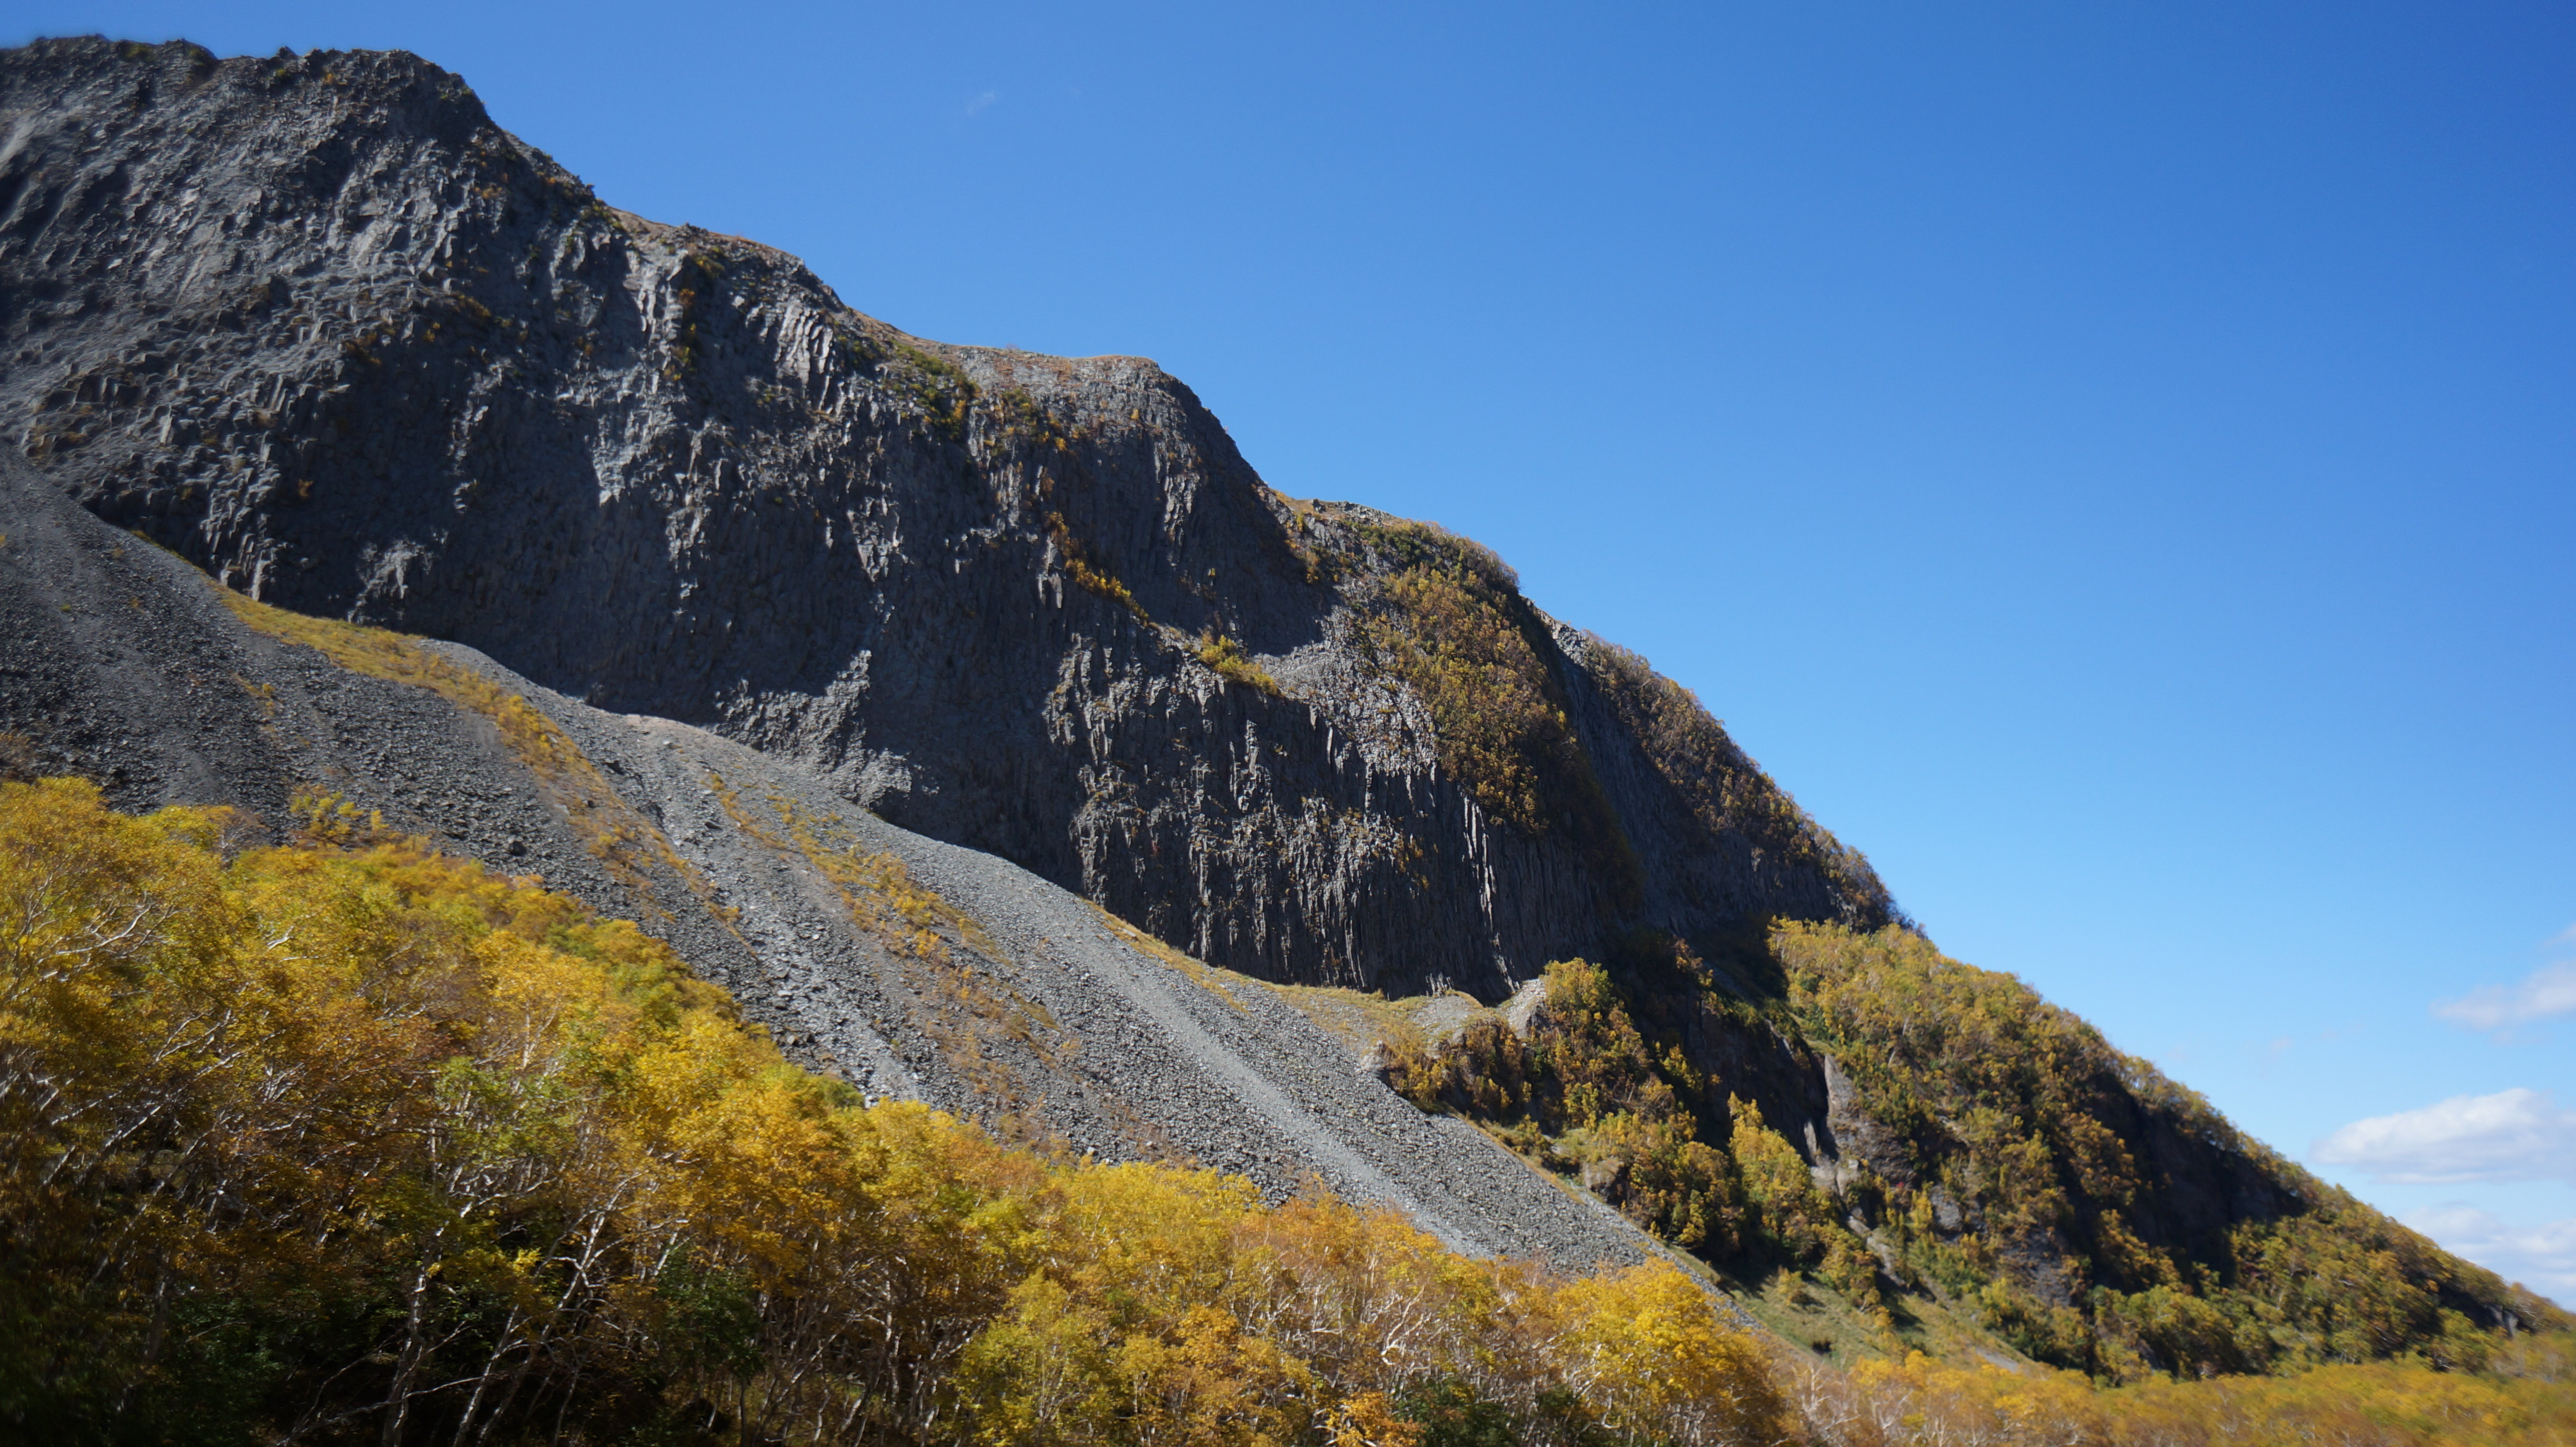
448, 1147
357, 1131
1497, 730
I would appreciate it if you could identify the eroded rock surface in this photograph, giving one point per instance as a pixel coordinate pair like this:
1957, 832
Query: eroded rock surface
909, 967
318, 326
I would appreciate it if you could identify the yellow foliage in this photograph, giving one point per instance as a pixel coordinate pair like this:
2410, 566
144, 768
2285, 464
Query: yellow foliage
1370, 1420
1776, 1178
1497, 729
875, 885
1918, 1403
1585, 1092
1041, 1374
1451, 623
368, 1143
2011, 1105
1227, 657
1662, 1368
328, 1144
1088, 573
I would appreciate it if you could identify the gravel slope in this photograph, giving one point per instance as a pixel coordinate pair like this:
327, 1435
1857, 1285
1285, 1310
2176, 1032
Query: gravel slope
1029, 1009
1046, 1020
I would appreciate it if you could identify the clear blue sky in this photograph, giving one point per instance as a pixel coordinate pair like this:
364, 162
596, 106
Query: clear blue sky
2112, 462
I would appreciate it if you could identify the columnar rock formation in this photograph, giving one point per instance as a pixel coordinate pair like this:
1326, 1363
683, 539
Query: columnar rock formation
317, 325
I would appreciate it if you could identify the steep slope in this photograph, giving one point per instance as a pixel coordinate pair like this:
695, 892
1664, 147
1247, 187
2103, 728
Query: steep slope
854, 664
1927, 1143
910, 968
318, 326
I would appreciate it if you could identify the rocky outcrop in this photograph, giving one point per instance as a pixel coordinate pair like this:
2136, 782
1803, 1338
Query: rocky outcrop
907, 967
317, 325
862, 668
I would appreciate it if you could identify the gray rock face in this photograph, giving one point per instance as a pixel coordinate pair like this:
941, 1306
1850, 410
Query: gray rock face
316, 325
1029, 1010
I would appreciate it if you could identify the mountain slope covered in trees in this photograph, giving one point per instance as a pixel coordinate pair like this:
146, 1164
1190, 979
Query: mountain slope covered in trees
349, 1140
702, 575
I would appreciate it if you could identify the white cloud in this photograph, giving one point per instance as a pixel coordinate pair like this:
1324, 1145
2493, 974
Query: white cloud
2544, 994
976, 105
2512, 1135
2541, 1257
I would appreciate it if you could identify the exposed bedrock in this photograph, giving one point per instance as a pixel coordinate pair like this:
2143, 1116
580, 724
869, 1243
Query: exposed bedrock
315, 324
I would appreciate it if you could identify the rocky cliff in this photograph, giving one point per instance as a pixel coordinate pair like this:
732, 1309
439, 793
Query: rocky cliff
315, 324
862, 668
909, 968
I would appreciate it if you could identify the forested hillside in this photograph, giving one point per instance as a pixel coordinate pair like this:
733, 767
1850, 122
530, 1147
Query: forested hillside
335, 1143
320, 1144
1984, 1156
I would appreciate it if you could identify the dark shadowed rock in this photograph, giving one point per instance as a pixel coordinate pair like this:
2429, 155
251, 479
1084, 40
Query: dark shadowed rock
315, 324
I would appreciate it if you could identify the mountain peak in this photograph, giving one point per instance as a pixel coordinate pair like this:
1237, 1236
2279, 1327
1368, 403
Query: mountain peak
628, 552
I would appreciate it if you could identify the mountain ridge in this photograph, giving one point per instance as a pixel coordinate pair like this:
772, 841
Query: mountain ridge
314, 325
675, 478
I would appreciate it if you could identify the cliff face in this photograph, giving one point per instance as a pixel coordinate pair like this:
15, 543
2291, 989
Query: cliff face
318, 326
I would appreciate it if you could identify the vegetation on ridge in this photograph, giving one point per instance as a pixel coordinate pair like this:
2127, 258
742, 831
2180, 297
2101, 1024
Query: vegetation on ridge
2048, 1143
1449, 620
333, 1145
2013, 1174
2530, 1401
1444, 616
349, 1140
1227, 657
625, 842
1727, 792
940, 388
1586, 1093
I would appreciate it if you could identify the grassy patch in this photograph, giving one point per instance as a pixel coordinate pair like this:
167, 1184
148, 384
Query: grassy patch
944, 393
1362, 1019
1087, 574
1227, 657
879, 889
915, 922
1206, 976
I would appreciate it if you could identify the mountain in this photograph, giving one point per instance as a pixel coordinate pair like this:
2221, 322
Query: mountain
319, 328
997, 738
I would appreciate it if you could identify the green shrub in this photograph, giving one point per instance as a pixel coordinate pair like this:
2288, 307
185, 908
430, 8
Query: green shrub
1227, 657
2002, 1105
1450, 622
2025, 1116
944, 393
